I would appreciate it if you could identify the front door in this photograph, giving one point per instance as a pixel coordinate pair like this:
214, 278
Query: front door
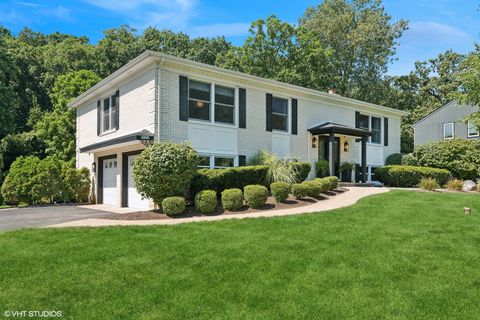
324, 153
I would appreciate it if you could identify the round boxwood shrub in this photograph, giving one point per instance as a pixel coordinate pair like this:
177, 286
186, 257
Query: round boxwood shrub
302, 170
280, 191
409, 160
206, 201
232, 199
314, 188
173, 205
394, 158
300, 190
164, 169
255, 195
332, 182
324, 184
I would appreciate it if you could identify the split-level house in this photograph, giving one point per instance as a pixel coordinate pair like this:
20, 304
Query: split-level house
446, 123
227, 117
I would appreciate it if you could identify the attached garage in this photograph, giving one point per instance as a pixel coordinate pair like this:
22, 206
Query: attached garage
134, 199
108, 177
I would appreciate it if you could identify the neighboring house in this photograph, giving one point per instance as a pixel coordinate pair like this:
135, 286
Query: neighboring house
227, 116
445, 123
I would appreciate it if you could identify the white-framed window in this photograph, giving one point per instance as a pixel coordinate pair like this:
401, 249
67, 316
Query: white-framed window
216, 161
109, 109
448, 131
279, 114
472, 129
211, 102
373, 124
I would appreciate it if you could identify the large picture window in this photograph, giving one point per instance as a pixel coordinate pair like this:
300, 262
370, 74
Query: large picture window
472, 130
201, 101
279, 114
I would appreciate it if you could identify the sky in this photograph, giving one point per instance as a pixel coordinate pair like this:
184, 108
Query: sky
434, 25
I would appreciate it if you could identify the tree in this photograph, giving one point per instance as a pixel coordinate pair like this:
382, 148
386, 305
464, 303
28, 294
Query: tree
57, 128
469, 77
361, 38
8, 97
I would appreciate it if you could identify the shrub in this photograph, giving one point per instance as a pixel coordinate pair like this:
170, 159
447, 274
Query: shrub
255, 195
47, 181
428, 184
455, 185
20, 180
461, 157
394, 159
206, 201
300, 190
76, 184
280, 191
332, 182
323, 183
321, 168
232, 199
408, 176
164, 169
278, 169
314, 188
173, 205
302, 169
409, 160
221, 179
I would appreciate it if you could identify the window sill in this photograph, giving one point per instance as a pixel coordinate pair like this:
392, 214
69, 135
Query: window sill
280, 132
216, 124
475, 136
106, 133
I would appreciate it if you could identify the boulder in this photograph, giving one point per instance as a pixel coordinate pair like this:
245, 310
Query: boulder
468, 185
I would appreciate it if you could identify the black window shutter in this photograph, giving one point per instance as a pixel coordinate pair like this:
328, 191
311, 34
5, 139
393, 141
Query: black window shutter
99, 116
242, 108
357, 119
242, 161
385, 132
269, 112
183, 98
116, 110
294, 116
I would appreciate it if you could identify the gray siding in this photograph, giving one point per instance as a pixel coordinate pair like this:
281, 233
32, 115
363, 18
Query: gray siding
430, 128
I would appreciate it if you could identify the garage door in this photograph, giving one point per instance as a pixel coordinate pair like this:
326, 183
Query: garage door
110, 191
134, 198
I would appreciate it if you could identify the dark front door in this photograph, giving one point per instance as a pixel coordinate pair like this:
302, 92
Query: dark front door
323, 151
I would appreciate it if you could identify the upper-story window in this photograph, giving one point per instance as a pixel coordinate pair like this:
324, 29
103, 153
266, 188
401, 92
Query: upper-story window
200, 102
279, 114
472, 130
108, 115
373, 124
448, 130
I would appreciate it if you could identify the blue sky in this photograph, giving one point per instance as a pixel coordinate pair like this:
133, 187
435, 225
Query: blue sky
434, 25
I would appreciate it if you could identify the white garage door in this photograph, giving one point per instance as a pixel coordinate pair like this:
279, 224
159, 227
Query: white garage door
134, 199
110, 191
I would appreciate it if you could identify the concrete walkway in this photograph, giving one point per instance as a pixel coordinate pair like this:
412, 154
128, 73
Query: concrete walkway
340, 200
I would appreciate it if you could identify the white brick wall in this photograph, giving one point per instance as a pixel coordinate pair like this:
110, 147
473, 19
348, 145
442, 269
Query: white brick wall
171, 128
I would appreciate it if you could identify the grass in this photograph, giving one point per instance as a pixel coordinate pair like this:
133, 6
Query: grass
4, 206
400, 255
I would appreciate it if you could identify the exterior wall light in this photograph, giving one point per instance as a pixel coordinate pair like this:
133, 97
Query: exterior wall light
346, 146
314, 142
94, 167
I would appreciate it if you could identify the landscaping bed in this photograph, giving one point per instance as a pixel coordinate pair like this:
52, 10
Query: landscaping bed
190, 211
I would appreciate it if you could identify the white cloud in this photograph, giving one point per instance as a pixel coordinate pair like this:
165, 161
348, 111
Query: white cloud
433, 31
59, 12
171, 14
220, 29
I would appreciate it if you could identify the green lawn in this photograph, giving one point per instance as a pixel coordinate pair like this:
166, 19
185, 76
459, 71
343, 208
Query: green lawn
400, 255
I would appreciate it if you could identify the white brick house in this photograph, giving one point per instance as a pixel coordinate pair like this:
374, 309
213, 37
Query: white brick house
226, 115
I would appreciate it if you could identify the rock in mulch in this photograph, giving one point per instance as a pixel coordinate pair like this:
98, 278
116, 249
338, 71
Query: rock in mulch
468, 185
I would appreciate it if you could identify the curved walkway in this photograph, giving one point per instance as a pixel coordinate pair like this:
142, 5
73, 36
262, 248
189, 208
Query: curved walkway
338, 201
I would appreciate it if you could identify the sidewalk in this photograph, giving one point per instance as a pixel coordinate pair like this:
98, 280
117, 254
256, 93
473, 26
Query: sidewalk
345, 199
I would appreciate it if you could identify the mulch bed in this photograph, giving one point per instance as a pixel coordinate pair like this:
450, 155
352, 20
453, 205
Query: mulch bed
191, 211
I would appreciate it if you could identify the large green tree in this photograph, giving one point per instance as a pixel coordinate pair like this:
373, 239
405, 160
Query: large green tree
469, 77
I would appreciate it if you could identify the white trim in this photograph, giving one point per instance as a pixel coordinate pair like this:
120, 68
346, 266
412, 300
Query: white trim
470, 123
212, 157
453, 131
150, 57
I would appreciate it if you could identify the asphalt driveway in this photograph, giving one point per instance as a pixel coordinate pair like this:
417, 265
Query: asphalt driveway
18, 218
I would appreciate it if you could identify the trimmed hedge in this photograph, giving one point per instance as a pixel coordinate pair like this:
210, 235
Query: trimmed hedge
221, 179
300, 190
173, 205
206, 201
332, 182
302, 170
409, 160
314, 188
280, 191
324, 184
232, 199
409, 176
255, 195
459, 156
